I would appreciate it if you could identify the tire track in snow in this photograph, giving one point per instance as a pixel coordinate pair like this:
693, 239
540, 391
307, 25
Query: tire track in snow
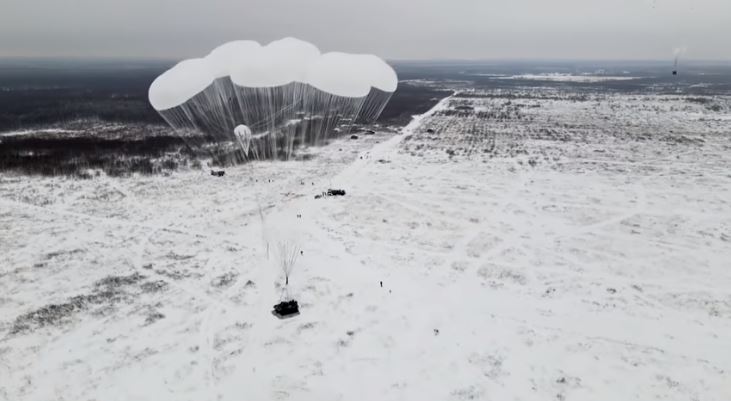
136, 262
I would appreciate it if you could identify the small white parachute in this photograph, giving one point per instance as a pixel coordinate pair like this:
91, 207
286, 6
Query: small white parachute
243, 135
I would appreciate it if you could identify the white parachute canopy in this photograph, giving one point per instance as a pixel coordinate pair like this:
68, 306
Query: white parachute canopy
255, 101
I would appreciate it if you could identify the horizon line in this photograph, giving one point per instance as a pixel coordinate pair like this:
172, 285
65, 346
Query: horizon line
389, 59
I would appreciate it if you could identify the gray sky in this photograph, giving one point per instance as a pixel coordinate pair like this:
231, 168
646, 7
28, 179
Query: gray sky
395, 29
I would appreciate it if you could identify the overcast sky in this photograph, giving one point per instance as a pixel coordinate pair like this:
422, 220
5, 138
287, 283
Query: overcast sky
395, 29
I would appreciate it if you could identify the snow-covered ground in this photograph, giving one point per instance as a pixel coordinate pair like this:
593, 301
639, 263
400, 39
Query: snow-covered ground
559, 77
53, 131
547, 248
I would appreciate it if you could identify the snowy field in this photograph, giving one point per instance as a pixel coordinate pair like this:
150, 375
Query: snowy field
557, 77
534, 247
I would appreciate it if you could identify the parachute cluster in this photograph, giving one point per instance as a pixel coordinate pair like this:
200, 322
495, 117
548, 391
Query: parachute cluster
265, 101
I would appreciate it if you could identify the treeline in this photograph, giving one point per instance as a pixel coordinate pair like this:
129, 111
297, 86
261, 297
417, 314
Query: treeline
74, 156
409, 100
35, 97
78, 98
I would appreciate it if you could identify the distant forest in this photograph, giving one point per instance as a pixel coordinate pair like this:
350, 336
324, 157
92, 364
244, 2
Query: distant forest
32, 96
79, 98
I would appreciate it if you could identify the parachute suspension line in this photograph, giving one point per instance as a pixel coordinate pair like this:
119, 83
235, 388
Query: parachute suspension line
288, 252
